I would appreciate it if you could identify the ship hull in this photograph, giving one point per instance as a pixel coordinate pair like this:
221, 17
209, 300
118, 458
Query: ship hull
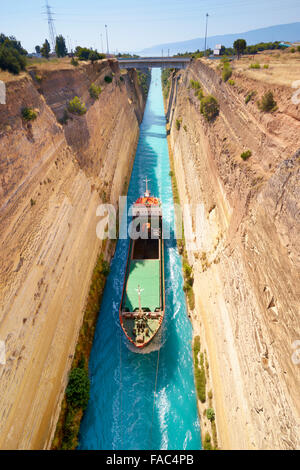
145, 271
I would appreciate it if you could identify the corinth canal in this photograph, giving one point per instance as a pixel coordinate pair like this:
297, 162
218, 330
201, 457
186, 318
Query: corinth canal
144, 400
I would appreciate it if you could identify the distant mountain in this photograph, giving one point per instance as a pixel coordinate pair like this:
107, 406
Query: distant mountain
282, 32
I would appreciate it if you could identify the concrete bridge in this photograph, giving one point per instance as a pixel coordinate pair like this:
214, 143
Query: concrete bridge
151, 62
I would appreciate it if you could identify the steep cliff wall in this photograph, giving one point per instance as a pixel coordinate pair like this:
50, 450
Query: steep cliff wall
53, 177
246, 263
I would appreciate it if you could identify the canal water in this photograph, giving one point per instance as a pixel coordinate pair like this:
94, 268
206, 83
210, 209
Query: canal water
122, 412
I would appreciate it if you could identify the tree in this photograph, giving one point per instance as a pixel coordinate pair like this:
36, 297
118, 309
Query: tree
209, 107
210, 414
60, 46
93, 56
45, 51
78, 389
37, 49
12, 54
239, 46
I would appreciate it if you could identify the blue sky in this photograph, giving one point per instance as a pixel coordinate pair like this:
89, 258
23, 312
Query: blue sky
136, 24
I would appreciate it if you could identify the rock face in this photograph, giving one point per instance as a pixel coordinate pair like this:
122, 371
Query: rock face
246, 262
53, 177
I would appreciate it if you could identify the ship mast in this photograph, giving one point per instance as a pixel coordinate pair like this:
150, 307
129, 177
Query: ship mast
139, 290
147, 192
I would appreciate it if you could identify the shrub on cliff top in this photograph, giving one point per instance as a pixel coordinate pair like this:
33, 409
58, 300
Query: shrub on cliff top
95, 91
74, 62
227, 71
29, 114
255, 66
267, 103
210, 414
245, 155
78, 389
12, 54
107, 79
76, 106
209, 107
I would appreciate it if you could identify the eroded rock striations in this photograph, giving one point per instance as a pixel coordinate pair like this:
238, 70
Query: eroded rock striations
246, 264
53, 177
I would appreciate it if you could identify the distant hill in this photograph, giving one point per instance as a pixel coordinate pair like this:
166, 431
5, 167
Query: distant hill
282, 32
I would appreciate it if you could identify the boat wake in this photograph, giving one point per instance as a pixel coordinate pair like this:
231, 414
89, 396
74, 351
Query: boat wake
155, 345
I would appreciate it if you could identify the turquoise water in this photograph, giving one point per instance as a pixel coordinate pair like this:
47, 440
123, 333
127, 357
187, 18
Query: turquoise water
122, 413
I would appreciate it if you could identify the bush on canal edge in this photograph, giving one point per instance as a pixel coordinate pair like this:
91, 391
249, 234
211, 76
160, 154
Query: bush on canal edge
77, 391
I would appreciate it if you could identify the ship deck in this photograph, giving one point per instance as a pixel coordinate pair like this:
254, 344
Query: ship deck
146, 274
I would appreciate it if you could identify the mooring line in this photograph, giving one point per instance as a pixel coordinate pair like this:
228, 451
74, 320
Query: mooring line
156, 375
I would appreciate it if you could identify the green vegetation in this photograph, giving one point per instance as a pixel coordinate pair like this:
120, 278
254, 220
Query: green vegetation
195, 85
37, 77
207, 442
95, 91
77, 391
226, 69
144, 81
298, 48
108, 79
226, 74
32, 202
12, 54
267, 104
250, 96
60, 46
74, 62
209, 107
293, 50
76, 106
178, 124
255, 66
45, 50
266, 66
245, 155
126, 55
84, 53
121, 79
210, 414
29, 114
165, 76
239, 46
93, 56
198, 89
262, 46
200, 378
231, 82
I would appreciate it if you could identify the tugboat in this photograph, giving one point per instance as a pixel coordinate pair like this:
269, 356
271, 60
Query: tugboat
142, 306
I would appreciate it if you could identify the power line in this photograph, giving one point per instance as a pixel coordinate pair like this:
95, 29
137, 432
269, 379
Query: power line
107, 39
50, 18
207, 15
